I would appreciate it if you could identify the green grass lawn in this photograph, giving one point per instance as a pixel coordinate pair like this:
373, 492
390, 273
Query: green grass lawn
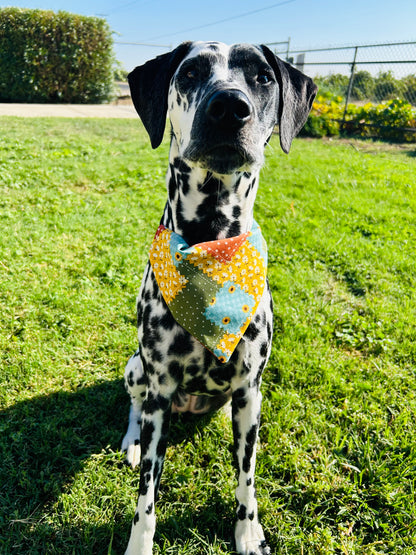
80, 201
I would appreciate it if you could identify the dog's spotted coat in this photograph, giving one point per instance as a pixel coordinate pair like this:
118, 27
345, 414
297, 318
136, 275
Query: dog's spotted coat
223, 103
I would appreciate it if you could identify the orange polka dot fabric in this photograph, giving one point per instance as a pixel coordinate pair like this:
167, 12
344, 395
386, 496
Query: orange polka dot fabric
213, 289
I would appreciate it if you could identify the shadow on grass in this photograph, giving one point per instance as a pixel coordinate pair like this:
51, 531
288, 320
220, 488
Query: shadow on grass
46, 441
411, 153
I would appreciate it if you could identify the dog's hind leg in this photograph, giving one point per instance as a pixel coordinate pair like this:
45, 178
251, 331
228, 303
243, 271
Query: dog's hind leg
135, 383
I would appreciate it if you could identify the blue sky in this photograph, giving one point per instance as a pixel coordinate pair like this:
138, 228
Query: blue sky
308, 23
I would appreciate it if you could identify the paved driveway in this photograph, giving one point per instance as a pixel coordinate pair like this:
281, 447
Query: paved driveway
69, 110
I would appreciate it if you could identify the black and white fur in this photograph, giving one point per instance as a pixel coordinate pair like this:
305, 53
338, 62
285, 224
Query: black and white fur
223, 103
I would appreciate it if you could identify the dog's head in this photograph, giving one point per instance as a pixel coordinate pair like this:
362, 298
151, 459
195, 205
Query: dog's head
223, 102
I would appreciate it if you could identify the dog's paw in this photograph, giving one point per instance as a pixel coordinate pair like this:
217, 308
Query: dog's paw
131, 448
249, 539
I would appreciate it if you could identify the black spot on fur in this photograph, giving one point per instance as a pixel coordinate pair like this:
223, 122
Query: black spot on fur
148, 368
167, 321
237, 438
175, 370
155, 321
222, 375
250, 187
142, 380
161, 446
249, 449
192, 370
208, 358
196, 385
236, 211
156, 470
181, 344
147, 434
252, 331
155, 289
154, 403
139, 316
239, 399
146, 465
180, 165
145, 476
172, 188
263, 349
157, 356
242, 512
136, 518
234, 229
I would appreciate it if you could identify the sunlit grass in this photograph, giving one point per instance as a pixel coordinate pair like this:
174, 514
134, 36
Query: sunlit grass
80, 201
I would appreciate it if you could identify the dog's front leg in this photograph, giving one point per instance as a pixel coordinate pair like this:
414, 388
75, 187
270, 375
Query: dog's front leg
156, 413
246, 404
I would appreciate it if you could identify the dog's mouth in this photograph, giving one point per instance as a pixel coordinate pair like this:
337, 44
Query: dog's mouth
224, 159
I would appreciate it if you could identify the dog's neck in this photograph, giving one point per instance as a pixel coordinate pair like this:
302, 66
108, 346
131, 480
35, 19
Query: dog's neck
203, 206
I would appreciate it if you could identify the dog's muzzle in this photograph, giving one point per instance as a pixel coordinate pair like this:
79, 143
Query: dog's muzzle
218, 139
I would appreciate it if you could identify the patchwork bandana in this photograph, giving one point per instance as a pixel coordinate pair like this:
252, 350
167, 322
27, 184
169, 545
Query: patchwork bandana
212, 289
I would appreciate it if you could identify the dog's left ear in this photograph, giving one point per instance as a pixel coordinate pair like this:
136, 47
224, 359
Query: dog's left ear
149, 87
297, 93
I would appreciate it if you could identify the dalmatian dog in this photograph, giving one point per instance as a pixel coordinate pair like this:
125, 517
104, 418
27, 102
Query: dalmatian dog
223, 103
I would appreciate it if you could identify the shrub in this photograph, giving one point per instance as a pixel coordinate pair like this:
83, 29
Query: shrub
119, 72
362, 86
54, 57
365, 86
387, 87
335, 83
389, 120
409, 93
324, 117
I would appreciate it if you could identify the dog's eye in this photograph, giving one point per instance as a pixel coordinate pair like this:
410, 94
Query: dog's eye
191, 74
263, 78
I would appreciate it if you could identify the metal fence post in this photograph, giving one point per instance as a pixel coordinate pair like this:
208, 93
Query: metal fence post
349, 87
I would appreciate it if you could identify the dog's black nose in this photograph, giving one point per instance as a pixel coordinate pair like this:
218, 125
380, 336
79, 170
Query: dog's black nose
229, 108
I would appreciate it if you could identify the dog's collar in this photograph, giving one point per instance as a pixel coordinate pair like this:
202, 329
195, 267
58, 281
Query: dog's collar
212, 289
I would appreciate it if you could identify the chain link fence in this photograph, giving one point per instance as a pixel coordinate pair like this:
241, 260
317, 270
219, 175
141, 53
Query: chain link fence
373, 72
359, 74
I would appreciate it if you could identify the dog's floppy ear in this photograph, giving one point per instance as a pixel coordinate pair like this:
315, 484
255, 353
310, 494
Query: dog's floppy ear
149, 87
297, 93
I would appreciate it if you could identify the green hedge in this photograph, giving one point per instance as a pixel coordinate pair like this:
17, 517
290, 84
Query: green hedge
54, 57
